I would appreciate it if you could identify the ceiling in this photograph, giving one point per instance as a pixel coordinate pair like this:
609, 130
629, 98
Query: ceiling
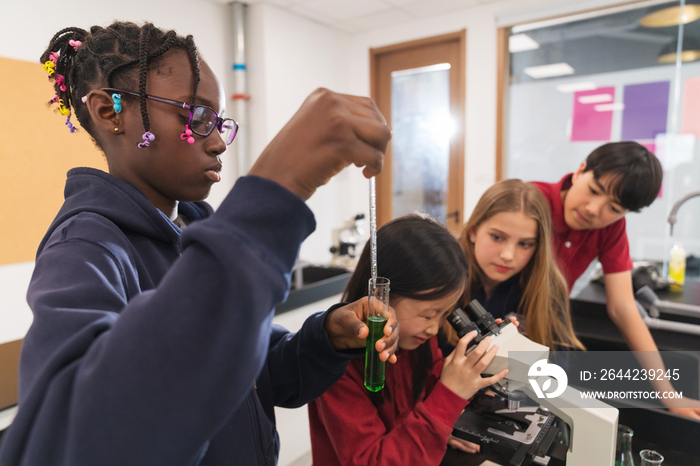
603, 44
355, 16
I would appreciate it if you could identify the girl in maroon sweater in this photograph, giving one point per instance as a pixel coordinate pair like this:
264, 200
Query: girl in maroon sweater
410, 420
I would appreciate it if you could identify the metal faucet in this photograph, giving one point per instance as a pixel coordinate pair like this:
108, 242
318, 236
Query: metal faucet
677, 205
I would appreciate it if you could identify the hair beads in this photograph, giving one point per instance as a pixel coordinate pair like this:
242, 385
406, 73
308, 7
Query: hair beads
117, 98
61, 83
49, 67
62, 109
148, 138
187, 135
70, 126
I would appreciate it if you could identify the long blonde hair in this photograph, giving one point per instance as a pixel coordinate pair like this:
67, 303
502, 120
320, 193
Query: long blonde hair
545, 301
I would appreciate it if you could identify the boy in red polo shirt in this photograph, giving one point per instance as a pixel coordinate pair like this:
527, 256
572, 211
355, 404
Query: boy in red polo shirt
588, 216
589, 206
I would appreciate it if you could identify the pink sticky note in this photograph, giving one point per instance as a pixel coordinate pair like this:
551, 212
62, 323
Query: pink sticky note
691, 106
592, 119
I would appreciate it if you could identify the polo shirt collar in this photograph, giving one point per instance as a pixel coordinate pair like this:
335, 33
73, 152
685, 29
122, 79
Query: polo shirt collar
558, 221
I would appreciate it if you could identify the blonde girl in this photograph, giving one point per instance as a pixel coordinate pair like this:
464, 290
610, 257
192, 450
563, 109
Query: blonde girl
511, 268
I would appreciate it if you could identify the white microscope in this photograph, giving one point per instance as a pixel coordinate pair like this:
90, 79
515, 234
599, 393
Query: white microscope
348, 241
532, 435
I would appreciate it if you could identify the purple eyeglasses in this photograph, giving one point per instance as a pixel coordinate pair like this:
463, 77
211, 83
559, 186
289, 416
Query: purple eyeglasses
202, 120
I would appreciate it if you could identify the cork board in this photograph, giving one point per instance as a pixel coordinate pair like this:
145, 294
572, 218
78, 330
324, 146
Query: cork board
36, 151
9, 369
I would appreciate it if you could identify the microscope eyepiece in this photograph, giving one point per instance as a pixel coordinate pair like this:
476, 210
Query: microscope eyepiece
483, 319
461, 322
463, 325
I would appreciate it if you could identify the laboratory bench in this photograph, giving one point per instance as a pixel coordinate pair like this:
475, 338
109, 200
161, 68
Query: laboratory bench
598, 333
313, 283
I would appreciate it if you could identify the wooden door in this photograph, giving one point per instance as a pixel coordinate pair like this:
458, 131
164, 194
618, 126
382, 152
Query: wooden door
419, 86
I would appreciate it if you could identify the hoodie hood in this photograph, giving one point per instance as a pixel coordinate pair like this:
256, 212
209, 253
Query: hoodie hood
92, 190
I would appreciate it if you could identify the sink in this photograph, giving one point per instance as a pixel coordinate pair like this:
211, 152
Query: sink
311, 283
309, 274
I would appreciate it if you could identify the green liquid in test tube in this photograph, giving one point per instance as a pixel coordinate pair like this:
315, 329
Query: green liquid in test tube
374, 367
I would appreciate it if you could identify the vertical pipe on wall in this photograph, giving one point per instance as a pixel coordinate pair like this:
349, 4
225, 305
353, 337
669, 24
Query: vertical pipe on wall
240, 95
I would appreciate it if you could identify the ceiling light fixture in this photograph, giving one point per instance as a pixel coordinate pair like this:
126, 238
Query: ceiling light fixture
521, 42
549, 71
671, 16
577, 86
690, 52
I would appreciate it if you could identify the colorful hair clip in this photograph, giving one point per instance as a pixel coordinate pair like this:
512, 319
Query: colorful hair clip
117, 98
49, 67
75, 44
62, 108
70, 126
60, 81
54, 99
83, 99
148, 138
53, 56
187, 135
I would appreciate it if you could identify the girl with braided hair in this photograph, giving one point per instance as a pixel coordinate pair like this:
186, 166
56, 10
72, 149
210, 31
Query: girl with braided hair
152, 341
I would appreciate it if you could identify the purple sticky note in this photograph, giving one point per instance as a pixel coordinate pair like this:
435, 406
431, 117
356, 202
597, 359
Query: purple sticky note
646, 110
593, 114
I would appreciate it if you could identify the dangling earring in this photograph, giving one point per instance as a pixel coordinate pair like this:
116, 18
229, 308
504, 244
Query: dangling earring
187, 135
117, 98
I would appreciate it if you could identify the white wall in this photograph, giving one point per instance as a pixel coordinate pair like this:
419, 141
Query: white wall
288, 58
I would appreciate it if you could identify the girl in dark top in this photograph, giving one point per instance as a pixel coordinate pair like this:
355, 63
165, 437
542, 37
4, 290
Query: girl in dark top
511, 267
512, 270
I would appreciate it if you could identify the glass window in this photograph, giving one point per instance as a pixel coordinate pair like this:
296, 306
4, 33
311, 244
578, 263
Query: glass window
421, 124
581, 82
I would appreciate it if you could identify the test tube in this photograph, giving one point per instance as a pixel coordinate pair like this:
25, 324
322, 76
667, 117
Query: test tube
376, 320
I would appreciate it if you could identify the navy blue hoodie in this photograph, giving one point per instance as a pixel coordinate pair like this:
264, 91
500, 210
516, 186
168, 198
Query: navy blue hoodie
152, 346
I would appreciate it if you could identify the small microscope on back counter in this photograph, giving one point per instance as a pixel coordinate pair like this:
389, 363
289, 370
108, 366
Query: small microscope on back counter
525, 421
348, 241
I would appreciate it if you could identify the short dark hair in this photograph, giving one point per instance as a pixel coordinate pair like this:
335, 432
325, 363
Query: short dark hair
636, 172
